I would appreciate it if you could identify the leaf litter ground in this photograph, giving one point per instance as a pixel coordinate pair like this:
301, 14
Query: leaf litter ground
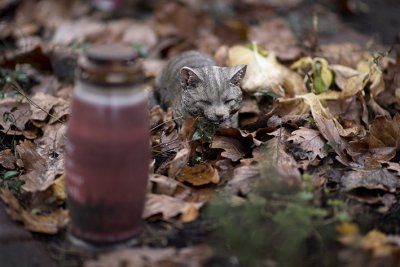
311, 177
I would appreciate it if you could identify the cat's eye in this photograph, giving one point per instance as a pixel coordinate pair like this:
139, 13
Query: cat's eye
204, 102
229, 101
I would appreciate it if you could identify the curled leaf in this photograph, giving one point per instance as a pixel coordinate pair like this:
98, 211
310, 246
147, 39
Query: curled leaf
199, 174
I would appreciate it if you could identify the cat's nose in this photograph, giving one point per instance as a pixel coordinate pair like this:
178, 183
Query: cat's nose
220, 117
219, 113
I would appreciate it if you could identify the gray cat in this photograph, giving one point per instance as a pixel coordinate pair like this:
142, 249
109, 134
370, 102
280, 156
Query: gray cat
193, 86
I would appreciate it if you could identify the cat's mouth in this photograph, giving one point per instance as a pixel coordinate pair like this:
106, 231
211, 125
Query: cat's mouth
212, 121
219, 122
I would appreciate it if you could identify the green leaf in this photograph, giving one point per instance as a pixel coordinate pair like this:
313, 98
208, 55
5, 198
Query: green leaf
322, 75
10, 174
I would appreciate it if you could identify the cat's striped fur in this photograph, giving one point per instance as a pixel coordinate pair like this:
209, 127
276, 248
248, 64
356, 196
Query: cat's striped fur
193, 86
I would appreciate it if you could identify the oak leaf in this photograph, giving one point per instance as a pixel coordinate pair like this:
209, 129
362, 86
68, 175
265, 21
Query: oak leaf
309, 140
233, 148
46, 223
380, 145
167, 206
40, 172
199, 174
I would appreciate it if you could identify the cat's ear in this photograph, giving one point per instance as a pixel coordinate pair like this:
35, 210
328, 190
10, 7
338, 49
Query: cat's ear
188, 77
237, 74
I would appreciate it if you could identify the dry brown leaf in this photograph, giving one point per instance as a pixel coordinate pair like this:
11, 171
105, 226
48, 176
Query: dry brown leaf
380, 179
7, 159
27, 134
199, 174
40, 171
277, 121
342, 74
140, 33
52, 140
233, 148
380, 145
290, 106
170, 142
173, 19
78, 31
152, 67
371, 78
243, 179
182, 156
309, 140
46, 104
249, 106
58, 188
166, 206
328, 126
275, 35
48, 223
197, 195
157, 117
247, 139
277, 158
391, 95
195, 256
346, 54
60, 110
14, 112
178, 162
393, 167
161, 184
50, 13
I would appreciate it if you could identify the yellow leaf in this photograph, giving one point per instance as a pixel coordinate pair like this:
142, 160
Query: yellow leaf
373, 240
239, 55
329, 95
354, 85
376, 242
58, 188
191, 213
347, 228
349, 233
326, 73
302, 63
376, 78
363, 66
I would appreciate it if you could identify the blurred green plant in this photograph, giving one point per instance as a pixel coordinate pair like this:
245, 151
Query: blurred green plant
266, 92
277, 224
12, 76
10, 180
205, 132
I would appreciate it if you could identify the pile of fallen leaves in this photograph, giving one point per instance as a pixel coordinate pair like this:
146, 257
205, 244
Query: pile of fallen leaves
319, 120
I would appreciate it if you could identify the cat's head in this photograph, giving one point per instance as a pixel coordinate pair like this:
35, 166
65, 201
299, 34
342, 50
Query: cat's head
212, 93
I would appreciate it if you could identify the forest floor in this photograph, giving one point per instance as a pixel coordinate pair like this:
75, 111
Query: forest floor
310, 178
